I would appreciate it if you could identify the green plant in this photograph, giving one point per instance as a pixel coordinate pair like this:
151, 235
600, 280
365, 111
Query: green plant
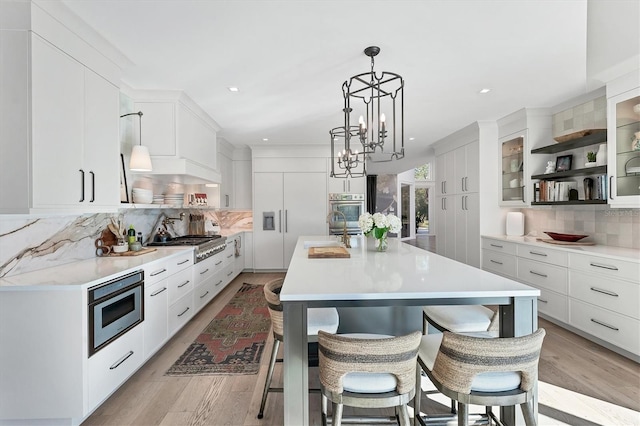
591, 156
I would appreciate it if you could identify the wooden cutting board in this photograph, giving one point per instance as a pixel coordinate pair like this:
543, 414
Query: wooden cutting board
566, 243
328, 252
134, 253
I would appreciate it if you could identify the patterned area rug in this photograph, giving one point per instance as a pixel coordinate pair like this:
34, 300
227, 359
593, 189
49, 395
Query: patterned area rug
233, 341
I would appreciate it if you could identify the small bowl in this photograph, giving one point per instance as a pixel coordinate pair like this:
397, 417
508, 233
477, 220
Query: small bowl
572, 238
135, 246
120, 249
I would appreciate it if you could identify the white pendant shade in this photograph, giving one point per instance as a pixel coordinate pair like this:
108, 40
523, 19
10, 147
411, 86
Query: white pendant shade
140, 159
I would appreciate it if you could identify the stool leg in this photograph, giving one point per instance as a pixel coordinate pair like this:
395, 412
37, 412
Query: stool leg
527, 412
337, 414
267, 382
404, 416
418, 396
463, 414
323, 404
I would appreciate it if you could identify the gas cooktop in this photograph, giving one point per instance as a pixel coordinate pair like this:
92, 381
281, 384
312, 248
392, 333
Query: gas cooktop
186, 240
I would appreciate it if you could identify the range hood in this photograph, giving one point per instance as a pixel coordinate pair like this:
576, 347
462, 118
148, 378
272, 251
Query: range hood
180, 170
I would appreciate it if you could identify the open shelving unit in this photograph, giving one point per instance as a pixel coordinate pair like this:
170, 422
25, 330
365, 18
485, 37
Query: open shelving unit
592, 139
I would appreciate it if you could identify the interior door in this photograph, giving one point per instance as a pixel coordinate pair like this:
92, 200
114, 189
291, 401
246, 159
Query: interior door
268, 198
305, 208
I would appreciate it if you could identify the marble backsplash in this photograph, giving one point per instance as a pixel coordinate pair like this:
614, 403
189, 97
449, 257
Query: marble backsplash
29, 243
603, 225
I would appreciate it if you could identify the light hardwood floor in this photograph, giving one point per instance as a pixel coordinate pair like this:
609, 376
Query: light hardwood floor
581, 383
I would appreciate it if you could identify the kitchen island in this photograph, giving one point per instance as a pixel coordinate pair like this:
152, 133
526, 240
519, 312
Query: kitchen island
402, 276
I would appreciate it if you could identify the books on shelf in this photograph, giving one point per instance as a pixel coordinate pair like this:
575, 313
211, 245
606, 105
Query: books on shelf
557, 190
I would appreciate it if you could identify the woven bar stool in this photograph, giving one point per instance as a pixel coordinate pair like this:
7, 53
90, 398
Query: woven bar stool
460, 319
317, 319
481, 371
367, 371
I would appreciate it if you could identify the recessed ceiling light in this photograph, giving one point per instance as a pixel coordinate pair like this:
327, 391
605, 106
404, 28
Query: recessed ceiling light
412, 139
265, 140
485, 90
234, 89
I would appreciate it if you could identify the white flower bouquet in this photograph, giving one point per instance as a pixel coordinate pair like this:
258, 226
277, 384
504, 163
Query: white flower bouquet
378, 224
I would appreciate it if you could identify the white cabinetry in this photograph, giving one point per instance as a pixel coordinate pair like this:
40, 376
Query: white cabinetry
298, 205
242, 184
227, 198
156, 292
66, 153
180, 289
348, 185
586, 292
623, 128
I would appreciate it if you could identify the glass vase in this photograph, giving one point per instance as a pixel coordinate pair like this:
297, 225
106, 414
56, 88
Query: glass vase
381, 243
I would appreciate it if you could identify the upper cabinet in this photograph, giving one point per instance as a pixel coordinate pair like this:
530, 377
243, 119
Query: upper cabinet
347, 186
512, 185
623, 130
59, 138
180, 136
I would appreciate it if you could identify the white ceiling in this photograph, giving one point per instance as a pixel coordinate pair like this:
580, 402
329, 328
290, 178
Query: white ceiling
289, 59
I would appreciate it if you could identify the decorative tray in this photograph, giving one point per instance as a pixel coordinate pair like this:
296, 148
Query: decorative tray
572, 238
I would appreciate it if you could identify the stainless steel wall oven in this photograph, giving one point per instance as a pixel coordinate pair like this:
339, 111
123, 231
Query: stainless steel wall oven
352, 206
114, 308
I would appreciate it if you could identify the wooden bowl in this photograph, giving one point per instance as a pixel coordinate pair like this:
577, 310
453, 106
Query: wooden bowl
572, 238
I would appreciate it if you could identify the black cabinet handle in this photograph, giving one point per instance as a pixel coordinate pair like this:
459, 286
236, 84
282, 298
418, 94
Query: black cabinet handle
81, 184
93, 186
607, 292
158, 292
605, 325
183, 284
495, 261
183, 312
153, 274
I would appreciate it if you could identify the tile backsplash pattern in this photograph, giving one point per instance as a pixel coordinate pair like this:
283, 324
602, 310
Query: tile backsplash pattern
589, 115
604, 225
29, 243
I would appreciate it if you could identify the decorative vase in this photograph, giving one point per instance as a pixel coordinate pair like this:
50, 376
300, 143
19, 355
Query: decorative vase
381, 243
601, 155
635, 143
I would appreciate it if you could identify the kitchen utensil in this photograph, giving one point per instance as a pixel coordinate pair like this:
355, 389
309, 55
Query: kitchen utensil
565, 237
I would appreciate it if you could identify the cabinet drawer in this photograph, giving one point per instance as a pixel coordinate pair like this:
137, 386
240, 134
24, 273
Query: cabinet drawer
180, 284
553, 304
203, 271
500, 263
615, 295
180, 262
499, 245
180, 312
204, 293
543, 275
154, 272
111, 366
228, 253
620, 269
543, 254
617, 329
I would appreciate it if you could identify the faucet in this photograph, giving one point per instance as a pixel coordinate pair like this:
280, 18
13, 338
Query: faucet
346, 240
169, 220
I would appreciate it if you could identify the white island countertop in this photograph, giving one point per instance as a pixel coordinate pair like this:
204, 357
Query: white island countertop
402, 272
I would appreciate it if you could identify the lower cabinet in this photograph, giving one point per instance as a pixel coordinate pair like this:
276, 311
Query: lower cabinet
595, 294
111, 366
155, 322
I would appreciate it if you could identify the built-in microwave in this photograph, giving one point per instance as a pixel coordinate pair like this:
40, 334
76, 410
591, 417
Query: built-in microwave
350, 206
114, 308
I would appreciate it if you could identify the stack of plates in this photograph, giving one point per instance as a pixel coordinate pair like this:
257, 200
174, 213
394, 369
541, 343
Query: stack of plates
174, 199
142, 196
158, 198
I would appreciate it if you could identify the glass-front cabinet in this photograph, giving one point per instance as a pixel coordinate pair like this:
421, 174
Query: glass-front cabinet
513, 178
623, 128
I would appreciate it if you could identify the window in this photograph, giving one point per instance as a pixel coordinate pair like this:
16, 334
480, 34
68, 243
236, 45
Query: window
423, 172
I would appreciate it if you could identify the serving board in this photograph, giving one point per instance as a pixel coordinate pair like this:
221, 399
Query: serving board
566, 243
134, 253
328, 252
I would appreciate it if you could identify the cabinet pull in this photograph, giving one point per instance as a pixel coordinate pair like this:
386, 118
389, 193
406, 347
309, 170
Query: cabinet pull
462, 184
286, 221
218, 262
158, 292
153, 274
495, 261
542, 300
229, 274
537, 253
230, 256
183, 284
183, 312
605, 325
218, 283
601, 265
603, 291
81, 184
611, 187
538, 274
204, 272
183, 262
226, 200
496, 245
121, 360
279, 221
93, 186
204, 294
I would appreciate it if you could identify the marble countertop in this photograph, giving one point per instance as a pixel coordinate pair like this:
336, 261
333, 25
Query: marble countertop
402, 272
86, 272
611, 252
